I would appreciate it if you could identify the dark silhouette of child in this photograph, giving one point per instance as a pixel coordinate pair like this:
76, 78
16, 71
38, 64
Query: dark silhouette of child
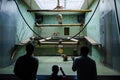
55, 76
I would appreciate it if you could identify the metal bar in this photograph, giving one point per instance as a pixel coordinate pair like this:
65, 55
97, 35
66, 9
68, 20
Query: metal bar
42, 25
87, 10
57, 43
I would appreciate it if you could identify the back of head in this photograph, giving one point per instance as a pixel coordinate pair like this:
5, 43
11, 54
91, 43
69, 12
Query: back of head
55, 69
29, 48
84, 51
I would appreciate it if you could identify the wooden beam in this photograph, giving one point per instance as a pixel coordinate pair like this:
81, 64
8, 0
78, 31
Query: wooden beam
23, 42
70, 43
57, 43
52, 25
59, 10
93, 42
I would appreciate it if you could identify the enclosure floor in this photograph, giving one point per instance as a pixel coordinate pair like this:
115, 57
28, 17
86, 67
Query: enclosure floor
46, 62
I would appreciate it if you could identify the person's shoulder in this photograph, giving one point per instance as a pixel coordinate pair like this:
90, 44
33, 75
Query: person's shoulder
20, 58
35, 59
90, 59
78, 58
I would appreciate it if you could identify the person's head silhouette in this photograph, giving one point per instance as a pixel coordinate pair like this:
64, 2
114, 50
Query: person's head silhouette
84, 51
55, 69
29, 48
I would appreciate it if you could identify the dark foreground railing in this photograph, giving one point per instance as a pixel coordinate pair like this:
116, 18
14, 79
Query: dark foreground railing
69, 77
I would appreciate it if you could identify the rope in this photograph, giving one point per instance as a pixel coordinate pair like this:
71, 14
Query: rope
88, 20
72, 36
26, 21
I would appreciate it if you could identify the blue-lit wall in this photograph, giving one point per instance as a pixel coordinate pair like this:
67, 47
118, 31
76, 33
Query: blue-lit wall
13, 29
110, 32
8, 20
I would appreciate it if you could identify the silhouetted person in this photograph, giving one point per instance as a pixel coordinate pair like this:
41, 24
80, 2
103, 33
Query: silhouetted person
85, 66
26, 66
54, 75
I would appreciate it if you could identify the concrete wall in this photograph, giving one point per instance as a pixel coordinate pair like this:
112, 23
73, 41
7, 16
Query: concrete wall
52, 19
93, 28
93, 31
23, 31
